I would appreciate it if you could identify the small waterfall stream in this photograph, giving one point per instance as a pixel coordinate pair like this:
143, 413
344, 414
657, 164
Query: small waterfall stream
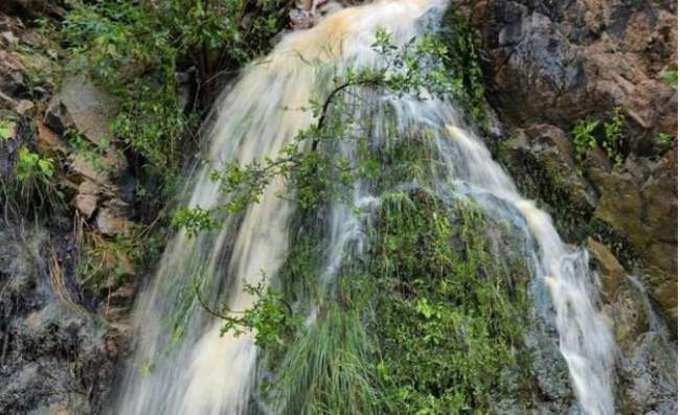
183, 366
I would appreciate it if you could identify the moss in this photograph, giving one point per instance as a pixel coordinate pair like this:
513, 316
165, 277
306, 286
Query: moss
544, 181
616, 241
462, 60
450, 316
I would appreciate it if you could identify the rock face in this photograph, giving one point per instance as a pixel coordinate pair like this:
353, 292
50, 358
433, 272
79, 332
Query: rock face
59, 342
57, 354
550, 64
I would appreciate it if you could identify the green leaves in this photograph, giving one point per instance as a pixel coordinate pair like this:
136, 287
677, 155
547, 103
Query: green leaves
6, 129
136, 49
32, 166
270, 318
584, 138
671, 78
665, 139
446, 317
589, 133
193, 220
613, 134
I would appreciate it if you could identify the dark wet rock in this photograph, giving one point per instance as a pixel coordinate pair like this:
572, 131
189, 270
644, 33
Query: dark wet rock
541, 157
54, 354
647, 381
30, 9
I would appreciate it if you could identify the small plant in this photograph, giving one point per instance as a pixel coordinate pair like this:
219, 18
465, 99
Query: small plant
33, 167
193, 220
33, 186
665, 139
6, 129
671, 78
590, 133
271, 318
613, 131
584, 138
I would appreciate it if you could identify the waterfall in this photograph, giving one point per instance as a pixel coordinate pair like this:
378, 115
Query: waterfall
183, 366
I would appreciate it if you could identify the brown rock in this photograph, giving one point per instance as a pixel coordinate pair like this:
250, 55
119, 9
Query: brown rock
112, 218
84, 106
47, 140
24, 106
629, 317
87, 198
99, 169
611, 270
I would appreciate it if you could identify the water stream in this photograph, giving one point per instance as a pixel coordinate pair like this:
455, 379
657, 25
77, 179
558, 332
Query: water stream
191, 369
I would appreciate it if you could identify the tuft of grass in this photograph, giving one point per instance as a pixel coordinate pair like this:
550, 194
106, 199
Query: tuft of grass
328, 368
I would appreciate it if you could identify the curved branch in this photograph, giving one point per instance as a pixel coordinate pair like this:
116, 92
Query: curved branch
209, 310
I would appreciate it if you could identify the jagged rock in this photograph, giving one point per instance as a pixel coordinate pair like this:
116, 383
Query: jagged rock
11, 77
24, 107
645, 210
47, 140
57, 118
87, 198
103, 170
541, 159
648, 359
53, 355
112, 219
559, 62
84, 106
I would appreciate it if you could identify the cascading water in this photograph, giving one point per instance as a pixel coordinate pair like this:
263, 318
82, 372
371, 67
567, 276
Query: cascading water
191, 369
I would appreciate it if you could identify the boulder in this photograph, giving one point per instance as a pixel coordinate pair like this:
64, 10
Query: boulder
112, 218
80, 104
87, 198
611, 271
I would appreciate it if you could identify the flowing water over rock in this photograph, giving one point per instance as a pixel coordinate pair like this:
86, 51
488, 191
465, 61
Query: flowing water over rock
182, 365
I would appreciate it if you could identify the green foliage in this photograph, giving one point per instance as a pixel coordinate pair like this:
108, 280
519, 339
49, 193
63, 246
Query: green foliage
193, 220
584, 136
665, 140
613, 134
271, 318
461, 59
33, 167
6, 129
671, 78
328, 367
136, 49
449, 318
33, 186
588, 134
